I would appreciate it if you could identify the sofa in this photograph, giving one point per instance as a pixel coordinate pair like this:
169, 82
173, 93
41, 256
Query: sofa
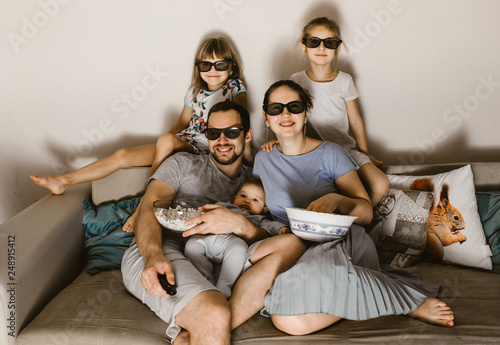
49, 298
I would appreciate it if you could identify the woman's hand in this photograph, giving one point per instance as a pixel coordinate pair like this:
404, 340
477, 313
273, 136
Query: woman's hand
328, 203
269, 145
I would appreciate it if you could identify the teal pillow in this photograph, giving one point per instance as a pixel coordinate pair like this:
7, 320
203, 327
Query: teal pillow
105, 241
488, 205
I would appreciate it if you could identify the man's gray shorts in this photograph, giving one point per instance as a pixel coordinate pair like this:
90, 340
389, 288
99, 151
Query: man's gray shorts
189, 281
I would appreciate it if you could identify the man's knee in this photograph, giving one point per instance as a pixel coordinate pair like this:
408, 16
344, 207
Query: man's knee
207, 308
293, 245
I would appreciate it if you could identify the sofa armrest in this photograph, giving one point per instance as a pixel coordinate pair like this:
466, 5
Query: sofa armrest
45, 243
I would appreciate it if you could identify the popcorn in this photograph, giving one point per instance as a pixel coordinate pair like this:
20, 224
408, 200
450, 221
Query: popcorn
174, 218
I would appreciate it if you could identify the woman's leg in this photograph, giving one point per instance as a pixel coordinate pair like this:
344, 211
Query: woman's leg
435, 312
303, 324
374, 180
272, 257
432, 311
123, 158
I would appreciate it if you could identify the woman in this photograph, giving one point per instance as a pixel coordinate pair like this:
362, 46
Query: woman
333, 280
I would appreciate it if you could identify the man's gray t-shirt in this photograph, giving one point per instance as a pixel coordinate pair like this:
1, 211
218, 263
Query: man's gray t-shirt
196, 177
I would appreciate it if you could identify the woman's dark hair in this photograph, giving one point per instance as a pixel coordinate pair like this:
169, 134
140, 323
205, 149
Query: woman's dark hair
304, 95
230, 105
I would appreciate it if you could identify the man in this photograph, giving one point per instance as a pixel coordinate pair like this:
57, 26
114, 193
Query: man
198, 307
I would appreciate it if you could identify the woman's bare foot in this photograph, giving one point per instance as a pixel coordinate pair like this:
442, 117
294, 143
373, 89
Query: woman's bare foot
129, 225
56, 184
182, 338
434, 311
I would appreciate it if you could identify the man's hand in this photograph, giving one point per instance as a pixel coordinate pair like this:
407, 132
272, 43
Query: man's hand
149, 276
219, 220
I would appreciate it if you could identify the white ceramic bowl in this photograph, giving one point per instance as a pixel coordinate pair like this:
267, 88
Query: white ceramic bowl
316, 226
173, 214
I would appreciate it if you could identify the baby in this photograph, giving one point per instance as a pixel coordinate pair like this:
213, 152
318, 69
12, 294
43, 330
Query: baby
229, 249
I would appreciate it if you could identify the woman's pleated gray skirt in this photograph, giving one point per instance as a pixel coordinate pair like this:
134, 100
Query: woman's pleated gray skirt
343, 278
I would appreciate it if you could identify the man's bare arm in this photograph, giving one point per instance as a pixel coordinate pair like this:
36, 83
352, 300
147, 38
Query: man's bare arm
149, 238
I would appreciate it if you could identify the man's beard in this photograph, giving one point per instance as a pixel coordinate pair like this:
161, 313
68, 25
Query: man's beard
231, 160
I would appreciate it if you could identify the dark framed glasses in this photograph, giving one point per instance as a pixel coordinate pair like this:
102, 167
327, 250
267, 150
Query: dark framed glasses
205, 66
314, 42
295, 107
229, 132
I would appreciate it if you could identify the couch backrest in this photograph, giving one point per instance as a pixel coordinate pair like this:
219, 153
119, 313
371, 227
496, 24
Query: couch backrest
130, 182
486, 174
123, 184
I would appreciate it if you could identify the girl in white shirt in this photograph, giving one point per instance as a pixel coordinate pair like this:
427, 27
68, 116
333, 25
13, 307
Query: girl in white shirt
335, 116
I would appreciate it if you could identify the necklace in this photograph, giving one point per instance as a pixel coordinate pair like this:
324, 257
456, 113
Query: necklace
302, 149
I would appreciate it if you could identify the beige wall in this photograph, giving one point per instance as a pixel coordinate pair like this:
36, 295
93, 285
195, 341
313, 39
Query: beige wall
83, 78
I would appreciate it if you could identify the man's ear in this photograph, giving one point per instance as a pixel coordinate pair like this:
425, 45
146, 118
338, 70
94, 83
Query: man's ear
265, 210
249, 136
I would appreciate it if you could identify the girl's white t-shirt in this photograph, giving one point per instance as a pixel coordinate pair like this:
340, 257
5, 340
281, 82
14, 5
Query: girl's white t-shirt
328, 116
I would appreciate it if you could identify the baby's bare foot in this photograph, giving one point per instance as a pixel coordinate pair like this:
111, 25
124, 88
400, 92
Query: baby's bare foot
129, 225
182, 338
56, 184
434, 311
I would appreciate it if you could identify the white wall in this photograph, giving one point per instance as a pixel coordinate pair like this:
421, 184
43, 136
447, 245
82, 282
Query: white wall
427, 71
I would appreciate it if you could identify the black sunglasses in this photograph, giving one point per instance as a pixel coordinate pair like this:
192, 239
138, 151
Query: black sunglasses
314, 42
295, 107
205, 66
229, 132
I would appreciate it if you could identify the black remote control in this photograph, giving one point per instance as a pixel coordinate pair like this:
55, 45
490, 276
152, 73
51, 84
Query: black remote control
169, 288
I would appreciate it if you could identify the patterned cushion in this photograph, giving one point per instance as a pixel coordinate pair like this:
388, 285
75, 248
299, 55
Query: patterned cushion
401, 217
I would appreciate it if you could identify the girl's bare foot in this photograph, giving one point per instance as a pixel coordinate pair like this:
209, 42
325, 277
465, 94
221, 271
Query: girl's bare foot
434, 311
129, 225
56, 184
182, 338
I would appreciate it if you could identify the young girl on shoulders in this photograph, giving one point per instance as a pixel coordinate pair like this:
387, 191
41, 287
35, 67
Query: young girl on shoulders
216, 77
336, 114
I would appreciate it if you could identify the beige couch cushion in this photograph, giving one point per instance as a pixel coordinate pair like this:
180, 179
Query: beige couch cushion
123, 184
98, 310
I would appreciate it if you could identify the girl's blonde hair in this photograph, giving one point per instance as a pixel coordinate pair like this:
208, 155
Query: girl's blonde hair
328, 24
215, 47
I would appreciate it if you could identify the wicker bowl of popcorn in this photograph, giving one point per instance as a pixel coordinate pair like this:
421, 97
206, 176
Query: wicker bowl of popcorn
173, 214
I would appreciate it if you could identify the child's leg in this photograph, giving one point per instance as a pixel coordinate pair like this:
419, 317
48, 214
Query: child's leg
195, 250
166, 145
123, 158
374, 180
232, 265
